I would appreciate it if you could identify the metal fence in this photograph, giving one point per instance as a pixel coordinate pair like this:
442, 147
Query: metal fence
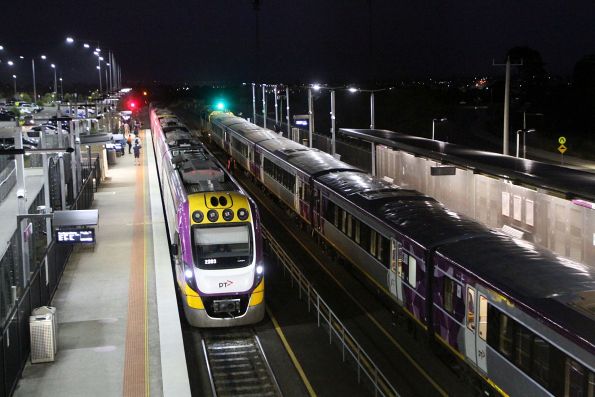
7, 176
20, 293
326, 318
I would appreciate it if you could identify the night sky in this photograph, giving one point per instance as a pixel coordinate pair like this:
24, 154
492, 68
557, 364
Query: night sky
307, 41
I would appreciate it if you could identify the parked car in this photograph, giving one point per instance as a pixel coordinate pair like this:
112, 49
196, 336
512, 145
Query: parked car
7, 115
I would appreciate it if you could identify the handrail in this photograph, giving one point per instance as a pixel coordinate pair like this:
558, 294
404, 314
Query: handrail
323, 312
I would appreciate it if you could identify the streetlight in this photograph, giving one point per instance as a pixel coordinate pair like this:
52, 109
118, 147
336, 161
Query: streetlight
524, 131
14, 77
317, 87
55, 83
434, 121
372, 109
61, 89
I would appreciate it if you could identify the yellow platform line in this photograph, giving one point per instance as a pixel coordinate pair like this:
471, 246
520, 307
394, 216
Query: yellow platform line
292, 356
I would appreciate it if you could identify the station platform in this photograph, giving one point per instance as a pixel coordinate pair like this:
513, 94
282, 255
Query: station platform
119, 330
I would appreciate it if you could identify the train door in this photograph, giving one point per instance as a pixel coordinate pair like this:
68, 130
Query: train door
392, 271
394, 286
476, 327
299, 184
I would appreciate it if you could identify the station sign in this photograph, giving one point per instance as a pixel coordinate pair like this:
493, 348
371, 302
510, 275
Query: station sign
75, 236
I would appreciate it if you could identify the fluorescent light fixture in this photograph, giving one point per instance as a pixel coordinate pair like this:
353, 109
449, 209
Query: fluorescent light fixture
86, 45
69, 40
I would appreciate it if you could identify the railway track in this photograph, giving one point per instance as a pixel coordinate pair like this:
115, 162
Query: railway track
237, 365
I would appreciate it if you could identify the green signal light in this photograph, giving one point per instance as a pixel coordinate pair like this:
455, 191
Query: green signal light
220, 105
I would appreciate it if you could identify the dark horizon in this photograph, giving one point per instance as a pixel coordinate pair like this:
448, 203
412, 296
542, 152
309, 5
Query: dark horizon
298, 41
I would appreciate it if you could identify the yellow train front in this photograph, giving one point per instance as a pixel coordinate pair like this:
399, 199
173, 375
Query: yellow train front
219, 266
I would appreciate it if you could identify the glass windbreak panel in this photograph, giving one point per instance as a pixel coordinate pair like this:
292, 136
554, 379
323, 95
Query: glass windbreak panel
222, 247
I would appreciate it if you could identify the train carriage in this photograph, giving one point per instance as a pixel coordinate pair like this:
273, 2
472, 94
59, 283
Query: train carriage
214, 231
510, 311
519, 316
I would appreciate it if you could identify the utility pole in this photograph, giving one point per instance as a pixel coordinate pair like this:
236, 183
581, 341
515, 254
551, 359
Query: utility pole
254, 103
506, 128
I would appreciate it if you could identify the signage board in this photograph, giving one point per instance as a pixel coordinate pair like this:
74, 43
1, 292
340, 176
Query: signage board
75, 236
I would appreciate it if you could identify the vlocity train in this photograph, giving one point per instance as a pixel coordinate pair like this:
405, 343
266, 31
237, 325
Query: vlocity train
214, 230
521, 317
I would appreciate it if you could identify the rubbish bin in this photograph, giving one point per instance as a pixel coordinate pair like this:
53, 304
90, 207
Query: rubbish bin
43, 346
111, 156
51, 310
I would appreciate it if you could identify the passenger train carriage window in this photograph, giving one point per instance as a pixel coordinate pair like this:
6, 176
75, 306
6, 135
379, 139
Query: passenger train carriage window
471, 308
483, 317
448, 294
410, 268
539, 359
578, 381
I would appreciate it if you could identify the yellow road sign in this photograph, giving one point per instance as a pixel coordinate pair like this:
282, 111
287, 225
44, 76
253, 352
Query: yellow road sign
562, 140
562, 149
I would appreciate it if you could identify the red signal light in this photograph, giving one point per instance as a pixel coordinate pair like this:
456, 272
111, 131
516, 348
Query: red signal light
132, 105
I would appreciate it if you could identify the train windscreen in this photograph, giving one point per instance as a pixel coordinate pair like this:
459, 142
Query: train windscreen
222, 247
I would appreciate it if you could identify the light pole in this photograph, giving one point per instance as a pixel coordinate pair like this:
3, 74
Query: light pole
318, 87
55, 83
61, 89
434, 121
372, 107
524, 131
14, 78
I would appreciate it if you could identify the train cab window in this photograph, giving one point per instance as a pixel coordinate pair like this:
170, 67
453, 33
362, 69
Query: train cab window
471, 308
483, 317
448, 293
222, 247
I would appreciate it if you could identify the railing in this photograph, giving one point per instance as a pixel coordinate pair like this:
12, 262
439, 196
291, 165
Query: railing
8, 181
21, 293
325, 316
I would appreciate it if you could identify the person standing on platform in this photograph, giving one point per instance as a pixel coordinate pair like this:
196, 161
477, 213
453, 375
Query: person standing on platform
129, 139
136, 149
126, 129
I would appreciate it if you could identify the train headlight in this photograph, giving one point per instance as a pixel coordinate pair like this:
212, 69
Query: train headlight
259, 269
188, 274
227, 214
213, 215
242, 214
197, 216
